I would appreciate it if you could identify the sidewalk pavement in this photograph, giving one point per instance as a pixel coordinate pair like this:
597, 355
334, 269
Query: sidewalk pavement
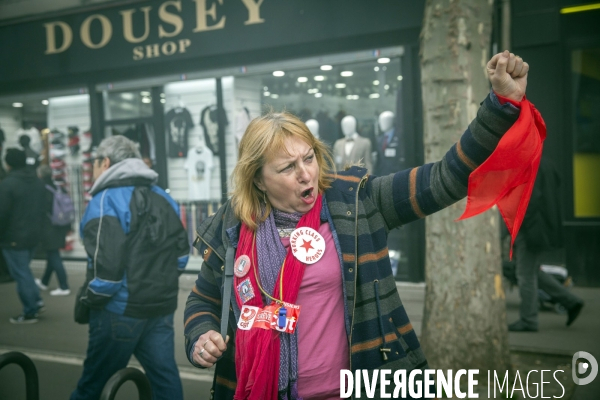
57, 338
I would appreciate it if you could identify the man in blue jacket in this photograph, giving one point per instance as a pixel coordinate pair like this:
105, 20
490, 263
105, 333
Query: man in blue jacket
136, 247
21, 213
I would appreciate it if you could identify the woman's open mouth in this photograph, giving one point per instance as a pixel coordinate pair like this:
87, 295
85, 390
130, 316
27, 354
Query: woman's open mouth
307, 196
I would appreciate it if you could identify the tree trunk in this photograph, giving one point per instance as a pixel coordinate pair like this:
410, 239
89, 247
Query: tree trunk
464, 322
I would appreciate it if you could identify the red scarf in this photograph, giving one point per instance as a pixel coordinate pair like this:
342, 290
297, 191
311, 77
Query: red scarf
506, 178
257, 350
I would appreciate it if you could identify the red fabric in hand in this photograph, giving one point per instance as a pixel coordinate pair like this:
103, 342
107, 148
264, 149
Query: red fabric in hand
506, 178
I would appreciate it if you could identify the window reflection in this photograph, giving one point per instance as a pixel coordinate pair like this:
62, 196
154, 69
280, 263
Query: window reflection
585, 70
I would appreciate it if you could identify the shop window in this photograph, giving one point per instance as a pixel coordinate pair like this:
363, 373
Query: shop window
58, 127
127, 104
349, 101
585, 69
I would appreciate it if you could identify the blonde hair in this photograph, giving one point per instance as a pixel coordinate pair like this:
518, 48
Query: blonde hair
265, 137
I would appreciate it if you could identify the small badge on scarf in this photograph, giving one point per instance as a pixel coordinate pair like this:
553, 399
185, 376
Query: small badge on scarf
308, 246
247, 316
245, 290
242, 266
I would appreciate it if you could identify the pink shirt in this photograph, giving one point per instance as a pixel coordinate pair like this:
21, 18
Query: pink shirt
322, 340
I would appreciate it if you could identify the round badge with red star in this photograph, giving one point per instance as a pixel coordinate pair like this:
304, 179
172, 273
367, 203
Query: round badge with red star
308, 246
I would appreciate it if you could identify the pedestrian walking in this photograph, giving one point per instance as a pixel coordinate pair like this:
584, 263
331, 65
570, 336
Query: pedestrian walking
53, 237
21, 215
541, 231
303, 250
136, 247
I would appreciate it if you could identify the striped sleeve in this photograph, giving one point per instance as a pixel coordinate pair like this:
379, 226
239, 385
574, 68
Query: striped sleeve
417, 192
203, 307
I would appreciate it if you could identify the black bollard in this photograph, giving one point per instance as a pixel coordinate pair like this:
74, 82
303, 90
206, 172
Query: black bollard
120, 377
32, 391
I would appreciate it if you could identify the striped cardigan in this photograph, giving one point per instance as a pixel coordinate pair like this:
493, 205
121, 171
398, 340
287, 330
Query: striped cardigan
361, 210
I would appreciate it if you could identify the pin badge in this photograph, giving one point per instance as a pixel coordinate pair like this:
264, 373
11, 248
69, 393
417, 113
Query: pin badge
245, 290
242, 266
308, 246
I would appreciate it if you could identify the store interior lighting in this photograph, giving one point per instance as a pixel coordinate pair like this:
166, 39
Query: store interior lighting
267, 94
274, 96
326, 67
144, 93
278, 73
375, 82
45, 102
319, 78
383, 60
374, 96
346, 73
17, 104
376, 69
302, 79
340, 85
399, 77
318, 94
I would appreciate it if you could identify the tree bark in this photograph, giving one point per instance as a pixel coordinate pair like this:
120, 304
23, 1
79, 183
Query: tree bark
464, 322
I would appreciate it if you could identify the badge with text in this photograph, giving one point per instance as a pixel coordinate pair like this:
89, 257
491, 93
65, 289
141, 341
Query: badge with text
242, 266
245, 290
281, 317
308, 246
247, 316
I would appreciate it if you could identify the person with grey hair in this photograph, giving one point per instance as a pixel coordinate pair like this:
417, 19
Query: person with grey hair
53, 237
136, 247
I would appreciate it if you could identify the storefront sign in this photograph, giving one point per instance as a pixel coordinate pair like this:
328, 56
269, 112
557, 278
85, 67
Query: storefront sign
161, 31
171, 24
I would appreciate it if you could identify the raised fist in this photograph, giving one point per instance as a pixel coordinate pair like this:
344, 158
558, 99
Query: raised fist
508, 75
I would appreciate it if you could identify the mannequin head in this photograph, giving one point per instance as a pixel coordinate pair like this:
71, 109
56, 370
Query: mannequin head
348, 126
386, 121
313, 127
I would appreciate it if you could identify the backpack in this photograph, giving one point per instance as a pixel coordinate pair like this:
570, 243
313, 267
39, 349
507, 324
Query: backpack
63, 209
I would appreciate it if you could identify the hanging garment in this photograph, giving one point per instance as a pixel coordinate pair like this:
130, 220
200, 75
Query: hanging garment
178, 122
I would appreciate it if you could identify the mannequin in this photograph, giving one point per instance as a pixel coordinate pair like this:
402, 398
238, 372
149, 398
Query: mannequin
313, 127
353, 148
389, 150
386, 121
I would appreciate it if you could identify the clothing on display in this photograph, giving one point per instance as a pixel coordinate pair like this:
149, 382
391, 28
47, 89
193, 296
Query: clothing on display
143, 134
60, 177
353, 148
328, 129
199, 165
178, 122
209, 120
73, 140
390, 154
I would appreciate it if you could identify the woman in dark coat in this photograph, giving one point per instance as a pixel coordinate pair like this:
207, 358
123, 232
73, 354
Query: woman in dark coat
53, 239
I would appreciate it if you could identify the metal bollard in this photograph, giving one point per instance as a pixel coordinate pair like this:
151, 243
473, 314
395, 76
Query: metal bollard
120, 377
32, 391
